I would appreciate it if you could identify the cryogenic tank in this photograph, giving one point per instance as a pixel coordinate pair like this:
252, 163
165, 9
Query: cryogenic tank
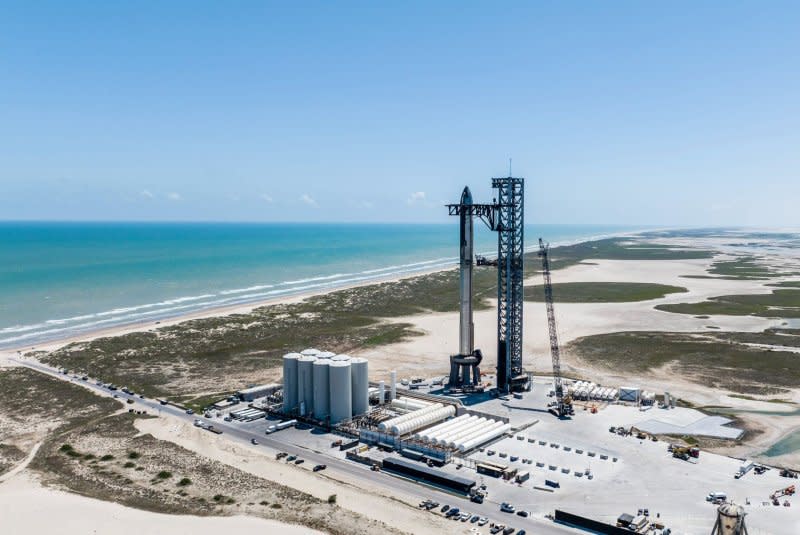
311, 352
392, 385
493, 424
341, 397
409, 404
325, 355
360, 385
341, 358
429, 434
321, 388
381, 392
428, 418
443, 438
305, 384
486, 437
290, 382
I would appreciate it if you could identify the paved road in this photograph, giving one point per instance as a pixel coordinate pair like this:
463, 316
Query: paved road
354, 472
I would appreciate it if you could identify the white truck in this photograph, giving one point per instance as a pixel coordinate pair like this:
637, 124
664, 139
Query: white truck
745, 467
716, 497
281, 425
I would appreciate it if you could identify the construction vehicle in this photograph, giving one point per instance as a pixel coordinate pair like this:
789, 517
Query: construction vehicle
563, 404
684, 452
787, 491
788, 473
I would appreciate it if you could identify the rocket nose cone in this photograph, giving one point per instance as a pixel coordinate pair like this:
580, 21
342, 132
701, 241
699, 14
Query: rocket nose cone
466, 196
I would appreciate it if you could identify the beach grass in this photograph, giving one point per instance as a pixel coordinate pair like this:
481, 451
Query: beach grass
780, 303
602, 292
720, 359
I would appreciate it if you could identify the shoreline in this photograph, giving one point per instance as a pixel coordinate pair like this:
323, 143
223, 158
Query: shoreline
49, 344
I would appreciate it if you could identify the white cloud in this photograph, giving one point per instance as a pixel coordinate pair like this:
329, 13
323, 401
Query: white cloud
146, 194
417, 196
174, 196
267, 198
307, 199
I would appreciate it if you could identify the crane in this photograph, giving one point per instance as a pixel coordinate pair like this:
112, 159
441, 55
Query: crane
563, 402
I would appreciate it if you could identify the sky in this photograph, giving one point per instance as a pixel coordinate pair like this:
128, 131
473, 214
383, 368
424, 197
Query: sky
682, 113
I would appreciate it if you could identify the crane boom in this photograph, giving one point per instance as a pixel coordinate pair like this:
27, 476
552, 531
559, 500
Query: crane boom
564, 403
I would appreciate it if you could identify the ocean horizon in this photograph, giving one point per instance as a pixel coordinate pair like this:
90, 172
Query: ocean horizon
61, 279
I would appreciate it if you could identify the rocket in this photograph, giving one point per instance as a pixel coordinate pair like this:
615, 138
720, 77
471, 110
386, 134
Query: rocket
466, 328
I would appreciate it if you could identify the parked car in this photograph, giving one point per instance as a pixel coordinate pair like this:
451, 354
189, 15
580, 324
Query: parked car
189, 411
299, 461
507, 507
522, 513
444, 508
254, 442
129, 401
483, 521
320, 467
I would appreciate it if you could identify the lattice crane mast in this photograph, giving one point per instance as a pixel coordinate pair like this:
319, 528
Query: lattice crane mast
563, 402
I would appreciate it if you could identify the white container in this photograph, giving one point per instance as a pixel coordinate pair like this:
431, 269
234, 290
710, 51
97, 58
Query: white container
311, 352
305, 384
360, 385
321, 370
341, 398
290, 382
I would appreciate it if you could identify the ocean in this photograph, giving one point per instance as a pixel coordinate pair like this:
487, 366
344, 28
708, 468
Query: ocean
62, 279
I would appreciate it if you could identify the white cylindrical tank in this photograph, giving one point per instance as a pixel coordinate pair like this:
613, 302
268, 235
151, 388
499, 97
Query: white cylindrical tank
392, 385
305, 384
486, 437
322, 389
341, 398
290, 382
311, 352
494, 424
360, 385
381, 392
342, 358
325, 355
385, 425
470, 430
409, 404
431, 434
429, 417
444, 438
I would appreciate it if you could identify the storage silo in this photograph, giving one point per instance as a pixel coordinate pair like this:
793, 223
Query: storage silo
325, 355
340, 389
311, 352
321, 389
305, 384
381, 392
359, 368
392, 385
290, 382
341, 358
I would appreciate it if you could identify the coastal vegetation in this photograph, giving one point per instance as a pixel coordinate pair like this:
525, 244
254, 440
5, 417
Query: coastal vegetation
200, 357
780, 303
740, 362
87, 447
602, 292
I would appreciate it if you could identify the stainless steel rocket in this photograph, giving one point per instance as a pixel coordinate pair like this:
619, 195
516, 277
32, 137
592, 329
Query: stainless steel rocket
465, 374
467, 329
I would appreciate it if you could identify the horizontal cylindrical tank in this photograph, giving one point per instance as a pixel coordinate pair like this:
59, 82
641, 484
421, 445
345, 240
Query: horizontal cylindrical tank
494, 424
409, 404
360, 389
290, 382
383, 426
469, 431
432, 432
443, 438
486, 437
305, 384
341, 398
321, 388
428, 418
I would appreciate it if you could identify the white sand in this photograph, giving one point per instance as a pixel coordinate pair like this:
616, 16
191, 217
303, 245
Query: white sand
27, 507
